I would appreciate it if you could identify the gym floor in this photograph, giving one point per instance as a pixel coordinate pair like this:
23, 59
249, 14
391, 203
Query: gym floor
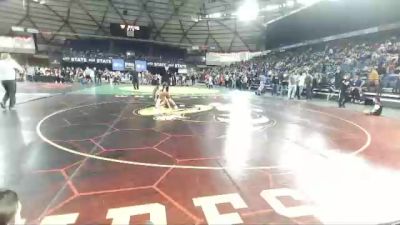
90, 156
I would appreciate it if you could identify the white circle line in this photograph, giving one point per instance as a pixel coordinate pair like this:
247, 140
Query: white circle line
367, 134
154, 165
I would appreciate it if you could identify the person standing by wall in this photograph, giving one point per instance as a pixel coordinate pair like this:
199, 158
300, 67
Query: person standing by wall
193, 79
99, 75
210, 82
344, 88
88, 75
302, 79
308, 81
373, 80
8, 68
263, 81
135, 79
338, 78
233, 81
356, 92
292, 85
280, 83
396, 90
274, 83
244, 82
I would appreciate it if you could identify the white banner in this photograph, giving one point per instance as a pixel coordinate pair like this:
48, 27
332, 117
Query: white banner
17, 45
218, 59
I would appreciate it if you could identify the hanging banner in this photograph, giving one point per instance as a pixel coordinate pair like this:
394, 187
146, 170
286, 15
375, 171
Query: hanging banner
103, 61
140, 66
86, 60
79, 59
127, 64
25, 45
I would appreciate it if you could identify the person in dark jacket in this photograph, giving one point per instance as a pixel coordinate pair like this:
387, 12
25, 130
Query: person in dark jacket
135, 79
309, 86
344, 91
193, 79
275, 83
338, 78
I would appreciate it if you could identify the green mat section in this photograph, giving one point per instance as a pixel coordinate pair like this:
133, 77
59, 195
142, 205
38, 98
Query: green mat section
145, 90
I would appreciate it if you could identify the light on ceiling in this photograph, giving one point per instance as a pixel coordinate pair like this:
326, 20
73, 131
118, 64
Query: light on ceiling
32, 30
290, 3
308, 2
270, 8
274, 7
195, 19
248, 10
215, 15
17, 29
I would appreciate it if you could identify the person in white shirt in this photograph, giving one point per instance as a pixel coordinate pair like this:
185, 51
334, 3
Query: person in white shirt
30, 71
92, 74
263, 81
210, 82
88, 75
293, 78
8, 68
245, 80
302, 79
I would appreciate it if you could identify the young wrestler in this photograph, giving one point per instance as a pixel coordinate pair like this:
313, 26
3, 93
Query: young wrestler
165, 99
378, 108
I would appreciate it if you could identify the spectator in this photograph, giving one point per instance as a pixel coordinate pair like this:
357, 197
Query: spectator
275, 83
308, 81
338, 78
193, 80
343, 94
292, 86
8, 68
373, 79
210, 82
356, 91
134, 77
261, 88
302, 80
397, 87
10, 208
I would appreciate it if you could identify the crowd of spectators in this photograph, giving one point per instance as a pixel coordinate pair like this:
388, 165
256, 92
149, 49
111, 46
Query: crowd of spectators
93, 75
371, 65
90, 75
126, 55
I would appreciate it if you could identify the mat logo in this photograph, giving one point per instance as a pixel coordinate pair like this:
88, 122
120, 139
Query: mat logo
253, 117
158, 212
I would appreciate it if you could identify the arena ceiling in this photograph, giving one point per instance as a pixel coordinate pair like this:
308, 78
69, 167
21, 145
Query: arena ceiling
183, 22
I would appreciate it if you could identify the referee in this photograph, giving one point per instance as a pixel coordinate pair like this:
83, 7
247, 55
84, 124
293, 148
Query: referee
8, 68
135, 78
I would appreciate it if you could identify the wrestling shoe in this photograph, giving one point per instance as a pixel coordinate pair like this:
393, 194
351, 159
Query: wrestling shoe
2, 105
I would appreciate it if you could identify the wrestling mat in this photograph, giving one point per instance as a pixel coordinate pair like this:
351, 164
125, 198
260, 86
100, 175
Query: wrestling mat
173, 114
